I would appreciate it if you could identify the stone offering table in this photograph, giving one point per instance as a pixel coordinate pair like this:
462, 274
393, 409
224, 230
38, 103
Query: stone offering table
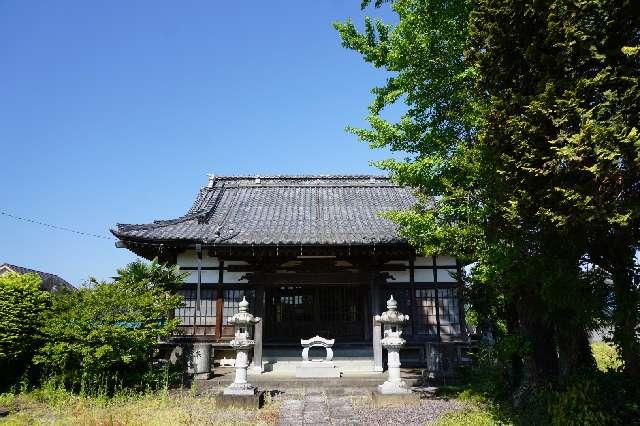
319, 368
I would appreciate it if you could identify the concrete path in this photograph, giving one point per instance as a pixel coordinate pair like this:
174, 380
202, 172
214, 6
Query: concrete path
317, 409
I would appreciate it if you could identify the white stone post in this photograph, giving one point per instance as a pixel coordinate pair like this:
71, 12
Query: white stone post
243, 323
377, 346
392, 321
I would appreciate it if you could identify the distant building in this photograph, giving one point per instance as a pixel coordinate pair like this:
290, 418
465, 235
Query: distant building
50, 282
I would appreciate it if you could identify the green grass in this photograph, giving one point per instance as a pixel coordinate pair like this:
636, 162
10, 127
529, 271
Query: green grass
58, 407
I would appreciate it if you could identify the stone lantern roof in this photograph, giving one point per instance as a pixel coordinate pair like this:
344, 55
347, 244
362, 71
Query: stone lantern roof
243, 317
391, 315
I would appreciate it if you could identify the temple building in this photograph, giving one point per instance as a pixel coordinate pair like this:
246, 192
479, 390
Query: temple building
50, 282
312, 255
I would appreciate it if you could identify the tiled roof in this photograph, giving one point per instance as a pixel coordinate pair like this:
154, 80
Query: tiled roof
50, 282
313, 210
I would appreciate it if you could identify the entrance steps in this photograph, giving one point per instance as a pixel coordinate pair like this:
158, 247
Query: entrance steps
348, 384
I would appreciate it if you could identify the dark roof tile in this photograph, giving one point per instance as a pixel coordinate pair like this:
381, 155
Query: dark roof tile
284, 210
50, 282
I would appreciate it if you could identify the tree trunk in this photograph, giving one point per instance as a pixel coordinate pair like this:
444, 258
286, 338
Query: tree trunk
541, 365
574, 348
626, 317
511, 319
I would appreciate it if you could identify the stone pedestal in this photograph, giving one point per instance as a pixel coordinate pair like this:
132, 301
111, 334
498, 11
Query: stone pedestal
394, 384
240, 386
317, 369
247, 402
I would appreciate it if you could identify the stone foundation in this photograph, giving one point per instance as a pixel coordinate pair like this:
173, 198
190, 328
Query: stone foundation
251, 402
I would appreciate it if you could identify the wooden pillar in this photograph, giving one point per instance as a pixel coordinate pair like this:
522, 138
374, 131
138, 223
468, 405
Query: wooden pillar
220, 300
366, 313
435, 281
259, 309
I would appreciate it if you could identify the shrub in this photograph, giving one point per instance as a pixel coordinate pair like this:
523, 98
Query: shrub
474, 417
606, 356
580, 403
22, 304
105, 338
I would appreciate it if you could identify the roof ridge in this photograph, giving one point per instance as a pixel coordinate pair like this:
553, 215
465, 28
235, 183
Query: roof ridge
319, 176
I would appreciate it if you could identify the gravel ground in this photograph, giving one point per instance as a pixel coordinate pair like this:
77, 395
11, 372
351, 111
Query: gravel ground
420, 413
321, 409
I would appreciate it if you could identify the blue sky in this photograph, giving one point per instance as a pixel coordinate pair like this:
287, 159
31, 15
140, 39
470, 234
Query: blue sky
116, 111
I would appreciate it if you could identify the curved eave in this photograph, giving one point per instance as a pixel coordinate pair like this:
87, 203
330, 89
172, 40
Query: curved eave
150, 249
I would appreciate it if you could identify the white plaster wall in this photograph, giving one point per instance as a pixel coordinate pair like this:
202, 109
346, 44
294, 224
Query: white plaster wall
423, 261
400, 277
423, 275
190, 259
444, 275
207, 277
233, 277
445, 261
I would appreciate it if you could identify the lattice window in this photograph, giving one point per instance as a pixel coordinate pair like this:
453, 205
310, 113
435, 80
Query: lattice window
340, 304
425, 313
293, 304
188, 313
449, 311
232, 299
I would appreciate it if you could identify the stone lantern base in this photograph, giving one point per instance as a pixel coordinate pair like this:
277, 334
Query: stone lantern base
394, 388
247, 402
240, 389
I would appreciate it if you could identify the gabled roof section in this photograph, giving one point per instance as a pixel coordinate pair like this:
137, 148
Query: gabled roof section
284, 210
50, 282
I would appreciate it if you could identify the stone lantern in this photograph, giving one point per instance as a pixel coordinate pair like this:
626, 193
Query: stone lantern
392, 322
242, 342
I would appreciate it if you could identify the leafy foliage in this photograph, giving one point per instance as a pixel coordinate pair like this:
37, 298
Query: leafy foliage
559, 139
22, 304
106, 336
606, 356
425, 56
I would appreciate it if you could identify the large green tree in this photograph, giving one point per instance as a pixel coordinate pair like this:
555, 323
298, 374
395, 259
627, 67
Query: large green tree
520, 138
560, 80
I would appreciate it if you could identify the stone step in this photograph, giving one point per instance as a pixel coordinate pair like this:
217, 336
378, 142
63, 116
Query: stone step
342, 364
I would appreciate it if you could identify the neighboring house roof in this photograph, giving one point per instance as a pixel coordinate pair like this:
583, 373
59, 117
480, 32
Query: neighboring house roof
284, 210
50, 282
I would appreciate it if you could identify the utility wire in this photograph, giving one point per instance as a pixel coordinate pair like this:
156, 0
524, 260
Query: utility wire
48, 225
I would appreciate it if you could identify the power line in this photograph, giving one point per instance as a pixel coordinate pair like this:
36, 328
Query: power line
59, 228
